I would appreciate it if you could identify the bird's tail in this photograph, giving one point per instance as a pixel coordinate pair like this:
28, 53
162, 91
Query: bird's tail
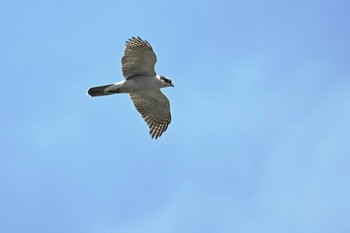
99, 91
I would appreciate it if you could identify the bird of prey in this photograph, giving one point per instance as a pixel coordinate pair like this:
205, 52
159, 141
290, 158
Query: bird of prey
143, 85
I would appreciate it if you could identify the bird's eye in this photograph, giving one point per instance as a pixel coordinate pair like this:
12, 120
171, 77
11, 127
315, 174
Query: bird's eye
166, 80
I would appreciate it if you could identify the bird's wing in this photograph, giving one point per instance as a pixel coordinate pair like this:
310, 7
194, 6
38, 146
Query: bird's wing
155, 109
139, 58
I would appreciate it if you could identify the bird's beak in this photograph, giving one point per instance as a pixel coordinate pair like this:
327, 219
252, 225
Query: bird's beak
172, 85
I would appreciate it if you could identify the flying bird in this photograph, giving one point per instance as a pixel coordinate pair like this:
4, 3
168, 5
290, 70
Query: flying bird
143, 85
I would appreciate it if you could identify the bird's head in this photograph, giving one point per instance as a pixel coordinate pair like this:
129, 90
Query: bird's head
166, 82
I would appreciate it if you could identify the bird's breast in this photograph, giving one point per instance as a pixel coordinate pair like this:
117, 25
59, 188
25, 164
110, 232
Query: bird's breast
137, 84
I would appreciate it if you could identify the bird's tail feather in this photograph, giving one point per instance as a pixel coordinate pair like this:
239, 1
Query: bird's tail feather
99, 91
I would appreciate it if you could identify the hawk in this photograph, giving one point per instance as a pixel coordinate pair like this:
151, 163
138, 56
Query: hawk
143, 85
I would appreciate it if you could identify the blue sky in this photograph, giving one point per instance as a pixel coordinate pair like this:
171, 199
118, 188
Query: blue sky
259, 140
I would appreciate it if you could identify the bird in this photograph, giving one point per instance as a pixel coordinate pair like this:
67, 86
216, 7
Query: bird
143, 85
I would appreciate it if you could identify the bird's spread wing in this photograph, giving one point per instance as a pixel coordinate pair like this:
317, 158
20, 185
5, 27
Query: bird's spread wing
155, 109
139, 58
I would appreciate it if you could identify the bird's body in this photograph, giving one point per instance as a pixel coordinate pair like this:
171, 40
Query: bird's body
143, 85
135, 84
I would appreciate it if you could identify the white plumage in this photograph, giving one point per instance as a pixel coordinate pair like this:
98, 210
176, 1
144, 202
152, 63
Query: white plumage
143, 85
